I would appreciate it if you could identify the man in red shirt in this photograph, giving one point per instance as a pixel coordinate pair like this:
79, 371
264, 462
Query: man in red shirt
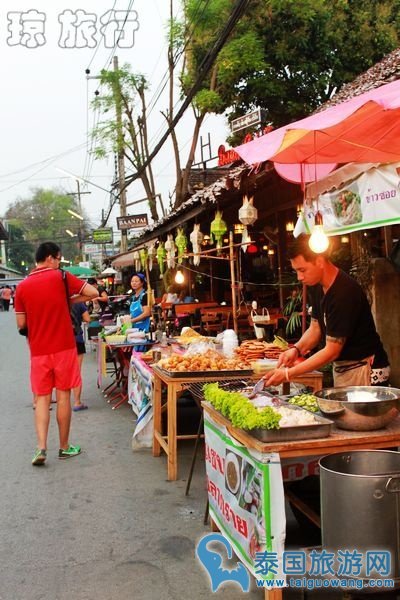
42, 308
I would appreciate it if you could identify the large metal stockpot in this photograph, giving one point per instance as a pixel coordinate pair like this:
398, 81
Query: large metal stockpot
360, 503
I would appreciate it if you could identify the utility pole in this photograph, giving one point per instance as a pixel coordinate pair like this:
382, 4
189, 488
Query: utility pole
121, 160
80, 218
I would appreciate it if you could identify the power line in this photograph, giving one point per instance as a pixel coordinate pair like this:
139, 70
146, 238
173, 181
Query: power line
204, 68
98, 45
178, 55
46, 160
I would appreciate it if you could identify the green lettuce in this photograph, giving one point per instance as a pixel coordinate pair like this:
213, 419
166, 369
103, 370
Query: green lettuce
239, 410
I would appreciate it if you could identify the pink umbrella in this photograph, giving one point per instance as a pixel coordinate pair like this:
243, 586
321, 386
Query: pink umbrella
365, 128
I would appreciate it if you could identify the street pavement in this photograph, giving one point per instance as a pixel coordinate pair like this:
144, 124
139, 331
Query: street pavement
105, 525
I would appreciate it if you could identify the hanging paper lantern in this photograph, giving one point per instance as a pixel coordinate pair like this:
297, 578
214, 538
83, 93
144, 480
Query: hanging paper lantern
181, 244
136, 260
196, 239
151, 251
171, 251
248, 216
247, 212
161, 256
218, 229
143, 258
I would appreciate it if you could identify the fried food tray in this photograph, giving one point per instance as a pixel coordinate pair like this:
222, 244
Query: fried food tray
207, 374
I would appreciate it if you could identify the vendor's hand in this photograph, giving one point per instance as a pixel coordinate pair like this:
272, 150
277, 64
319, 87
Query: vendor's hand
288, 358
275, 377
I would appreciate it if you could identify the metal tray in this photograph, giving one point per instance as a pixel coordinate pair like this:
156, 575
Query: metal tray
208, 374
320, 429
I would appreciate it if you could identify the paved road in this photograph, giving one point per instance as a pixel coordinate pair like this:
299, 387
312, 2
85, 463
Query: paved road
102, 526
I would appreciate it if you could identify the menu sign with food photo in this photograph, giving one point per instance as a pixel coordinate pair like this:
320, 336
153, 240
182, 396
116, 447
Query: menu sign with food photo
371, 200
245, 492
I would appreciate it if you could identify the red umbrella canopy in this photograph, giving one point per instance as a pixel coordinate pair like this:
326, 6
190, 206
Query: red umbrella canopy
371, 134
362, 129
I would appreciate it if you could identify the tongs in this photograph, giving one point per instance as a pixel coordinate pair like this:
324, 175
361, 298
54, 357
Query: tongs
257, 388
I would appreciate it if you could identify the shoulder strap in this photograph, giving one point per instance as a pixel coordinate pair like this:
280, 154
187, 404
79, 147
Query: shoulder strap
65, 281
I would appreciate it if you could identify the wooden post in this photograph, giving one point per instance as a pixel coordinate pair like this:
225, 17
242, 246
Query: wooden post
233, 282
304, 310
150, 297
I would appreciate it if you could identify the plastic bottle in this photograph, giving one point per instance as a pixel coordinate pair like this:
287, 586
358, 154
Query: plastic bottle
229, 343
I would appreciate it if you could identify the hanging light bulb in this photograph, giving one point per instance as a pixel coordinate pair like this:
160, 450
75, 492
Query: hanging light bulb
319, 241
179, 277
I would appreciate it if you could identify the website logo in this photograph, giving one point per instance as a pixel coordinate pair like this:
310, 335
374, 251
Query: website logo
212, 562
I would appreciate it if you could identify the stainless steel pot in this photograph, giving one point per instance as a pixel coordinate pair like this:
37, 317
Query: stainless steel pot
360, 503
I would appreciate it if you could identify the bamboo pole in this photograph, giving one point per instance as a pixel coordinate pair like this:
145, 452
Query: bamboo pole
233, 283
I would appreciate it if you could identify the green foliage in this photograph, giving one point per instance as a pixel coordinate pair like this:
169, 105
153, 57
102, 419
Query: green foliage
293, 310
20, 253
287, 56
117, 87
208, 101
239, 410
312, 47
43, 217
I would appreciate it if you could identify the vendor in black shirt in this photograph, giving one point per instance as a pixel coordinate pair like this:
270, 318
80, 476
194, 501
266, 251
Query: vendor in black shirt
341, 318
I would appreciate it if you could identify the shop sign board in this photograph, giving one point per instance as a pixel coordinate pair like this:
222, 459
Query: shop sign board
103, 235
371, 200
246, 497
256, 117
132, 221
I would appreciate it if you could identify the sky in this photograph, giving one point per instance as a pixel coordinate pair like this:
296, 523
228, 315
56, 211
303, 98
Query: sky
46, 113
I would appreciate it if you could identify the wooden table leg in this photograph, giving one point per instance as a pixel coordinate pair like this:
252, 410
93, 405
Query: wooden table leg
172, 443
156, 414
274, 594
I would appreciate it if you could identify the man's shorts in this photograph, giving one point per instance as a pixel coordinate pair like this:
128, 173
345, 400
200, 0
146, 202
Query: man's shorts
81, 348
59, 370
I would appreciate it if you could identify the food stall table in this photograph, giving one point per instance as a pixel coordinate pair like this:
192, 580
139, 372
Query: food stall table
122, 352
339, 441
175, 385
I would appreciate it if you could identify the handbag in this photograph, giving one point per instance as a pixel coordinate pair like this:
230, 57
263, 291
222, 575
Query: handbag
76, 325
256, 318
259, 330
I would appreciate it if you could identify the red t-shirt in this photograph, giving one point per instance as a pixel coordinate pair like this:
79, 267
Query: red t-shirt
42, 298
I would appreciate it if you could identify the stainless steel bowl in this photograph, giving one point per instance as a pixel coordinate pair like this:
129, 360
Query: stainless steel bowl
359, 408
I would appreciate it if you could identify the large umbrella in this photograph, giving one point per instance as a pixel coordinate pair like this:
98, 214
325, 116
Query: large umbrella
77, 270
365, 128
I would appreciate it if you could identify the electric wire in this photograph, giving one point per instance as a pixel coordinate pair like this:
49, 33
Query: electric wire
177, 57
204, 68
119, 36
98, 45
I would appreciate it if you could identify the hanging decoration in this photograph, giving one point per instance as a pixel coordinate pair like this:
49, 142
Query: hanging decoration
196, 239
248, 216
171, 251
136, 260
151, 251
143, 258
161, 256
218, 229
181, 244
